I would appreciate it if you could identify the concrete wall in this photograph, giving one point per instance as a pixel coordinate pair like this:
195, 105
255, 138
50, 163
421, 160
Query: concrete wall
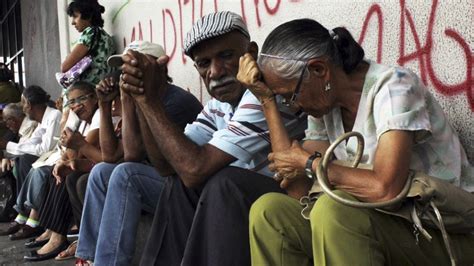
41, 44
434, 38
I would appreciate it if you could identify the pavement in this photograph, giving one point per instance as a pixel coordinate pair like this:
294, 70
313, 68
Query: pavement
12, 252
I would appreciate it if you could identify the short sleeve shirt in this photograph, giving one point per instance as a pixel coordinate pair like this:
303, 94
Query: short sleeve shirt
104, 48
394, 98
241, 132
85, 127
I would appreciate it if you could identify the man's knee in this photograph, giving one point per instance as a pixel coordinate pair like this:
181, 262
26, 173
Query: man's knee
125, 174
332, 215
224, 177
100, 173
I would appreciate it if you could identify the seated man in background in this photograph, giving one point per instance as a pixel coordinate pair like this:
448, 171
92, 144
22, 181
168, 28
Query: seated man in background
34, 101
116, 194
220, 159
21, 128
17, 122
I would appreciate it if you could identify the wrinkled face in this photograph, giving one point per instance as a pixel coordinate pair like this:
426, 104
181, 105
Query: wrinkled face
82, 103
217, 61
79, 23
26, 107
311, 96
12, 123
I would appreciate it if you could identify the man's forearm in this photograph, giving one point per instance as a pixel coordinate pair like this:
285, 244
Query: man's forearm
179, 151
131, 138
278, 134
153, 151
108, 140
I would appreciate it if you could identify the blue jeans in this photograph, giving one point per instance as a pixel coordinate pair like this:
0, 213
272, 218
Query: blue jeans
33, 190
115, 196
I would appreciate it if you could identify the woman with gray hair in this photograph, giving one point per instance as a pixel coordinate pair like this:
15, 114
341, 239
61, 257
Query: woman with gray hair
324, 73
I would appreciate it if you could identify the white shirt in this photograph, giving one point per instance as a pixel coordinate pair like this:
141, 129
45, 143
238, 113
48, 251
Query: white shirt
394, 98
44, 137
27, 129
52, 157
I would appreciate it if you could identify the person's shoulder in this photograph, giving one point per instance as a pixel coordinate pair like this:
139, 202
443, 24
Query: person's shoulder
176, 90
248, 98
249, 102
389, 71
179, 94
87, 31
54, 113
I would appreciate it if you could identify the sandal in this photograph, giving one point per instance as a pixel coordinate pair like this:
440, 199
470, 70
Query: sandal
68, 253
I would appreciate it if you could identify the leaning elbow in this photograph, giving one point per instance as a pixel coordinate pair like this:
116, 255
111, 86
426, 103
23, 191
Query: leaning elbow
192, 177
108, 159
190, 183
385, 191
131, 158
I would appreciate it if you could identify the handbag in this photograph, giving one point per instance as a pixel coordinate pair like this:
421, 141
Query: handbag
424, 200
67, 78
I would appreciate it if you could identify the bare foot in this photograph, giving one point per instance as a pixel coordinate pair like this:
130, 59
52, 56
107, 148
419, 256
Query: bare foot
44, 236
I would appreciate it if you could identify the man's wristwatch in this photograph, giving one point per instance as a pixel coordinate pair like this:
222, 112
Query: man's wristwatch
309, 165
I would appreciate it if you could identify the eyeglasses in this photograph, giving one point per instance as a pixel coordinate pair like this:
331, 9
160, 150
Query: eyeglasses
297, 89
79, 100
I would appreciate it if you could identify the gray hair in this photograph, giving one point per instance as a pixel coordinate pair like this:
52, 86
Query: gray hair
295, 42
13, 110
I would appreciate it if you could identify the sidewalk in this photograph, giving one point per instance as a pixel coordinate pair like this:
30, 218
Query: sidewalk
12, 252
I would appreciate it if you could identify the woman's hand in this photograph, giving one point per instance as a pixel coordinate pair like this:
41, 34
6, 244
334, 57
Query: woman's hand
289, 161
289, 170
249, 75
72, 140
107, 90
61, 170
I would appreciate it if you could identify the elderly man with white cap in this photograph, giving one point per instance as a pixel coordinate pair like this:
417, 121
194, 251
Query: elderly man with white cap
220, 160
116, 194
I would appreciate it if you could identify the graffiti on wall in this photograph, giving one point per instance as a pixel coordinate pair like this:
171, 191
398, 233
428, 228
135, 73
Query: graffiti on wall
424, 51
174, 24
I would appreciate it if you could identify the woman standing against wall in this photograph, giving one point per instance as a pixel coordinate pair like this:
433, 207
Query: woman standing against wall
94, 40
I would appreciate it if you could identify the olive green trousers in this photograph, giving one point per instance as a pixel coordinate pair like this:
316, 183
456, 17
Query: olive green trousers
340, 235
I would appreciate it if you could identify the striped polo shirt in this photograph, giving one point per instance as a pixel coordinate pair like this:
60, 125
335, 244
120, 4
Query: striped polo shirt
242, 132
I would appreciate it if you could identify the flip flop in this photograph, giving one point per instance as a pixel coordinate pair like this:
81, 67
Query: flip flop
68, 253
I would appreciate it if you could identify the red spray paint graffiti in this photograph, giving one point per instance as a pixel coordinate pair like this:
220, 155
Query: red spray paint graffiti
423, 52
